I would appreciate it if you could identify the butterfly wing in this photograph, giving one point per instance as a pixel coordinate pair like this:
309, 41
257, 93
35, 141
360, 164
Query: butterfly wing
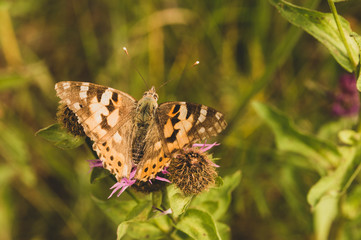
177, 125
106, 115
154, 158
182, 124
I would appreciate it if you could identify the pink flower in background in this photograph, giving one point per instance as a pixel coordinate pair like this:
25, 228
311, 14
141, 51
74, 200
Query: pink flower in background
347, 99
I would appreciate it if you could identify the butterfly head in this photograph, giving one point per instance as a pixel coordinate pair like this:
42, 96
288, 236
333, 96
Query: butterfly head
147, 105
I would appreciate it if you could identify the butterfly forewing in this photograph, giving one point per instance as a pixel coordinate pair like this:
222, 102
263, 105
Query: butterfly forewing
177, 125
106, 115
182, 124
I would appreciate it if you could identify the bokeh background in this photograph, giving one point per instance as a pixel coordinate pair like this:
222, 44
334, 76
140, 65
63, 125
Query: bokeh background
247, 52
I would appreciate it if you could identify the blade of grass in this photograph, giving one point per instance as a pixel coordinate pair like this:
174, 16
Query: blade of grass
280, 55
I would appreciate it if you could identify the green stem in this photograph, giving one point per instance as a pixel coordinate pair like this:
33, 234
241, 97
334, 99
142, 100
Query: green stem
350, 180
342, 34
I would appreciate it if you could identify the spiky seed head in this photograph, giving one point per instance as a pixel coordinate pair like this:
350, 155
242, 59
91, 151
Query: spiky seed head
192, 171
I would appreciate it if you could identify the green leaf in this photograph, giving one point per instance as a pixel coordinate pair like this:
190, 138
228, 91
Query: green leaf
137, 228
288, 138
224, 230
141, 211
349, 137
60, 137
337, 182
325, 213
98, 173
122, 230
358, 69
330, 130
116, 210
198, 225
216, 201
322, 26
351, 207
12, 81
178, 202
144, 230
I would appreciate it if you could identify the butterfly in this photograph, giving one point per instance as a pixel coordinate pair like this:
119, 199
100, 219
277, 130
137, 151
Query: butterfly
128, 133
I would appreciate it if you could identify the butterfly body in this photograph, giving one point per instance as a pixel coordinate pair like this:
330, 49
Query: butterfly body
145, 113
128, 133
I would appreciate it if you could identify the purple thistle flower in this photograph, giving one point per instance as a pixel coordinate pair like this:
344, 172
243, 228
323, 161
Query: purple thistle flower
95, 163
165, 212
162, 179
346, 100
124, 183
164, 171
204, 146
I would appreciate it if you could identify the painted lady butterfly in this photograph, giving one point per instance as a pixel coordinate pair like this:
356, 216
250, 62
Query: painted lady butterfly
128, 133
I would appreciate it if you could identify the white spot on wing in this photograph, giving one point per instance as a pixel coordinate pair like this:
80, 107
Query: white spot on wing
84, 88
204, 110
218, 115
202, 130
66, 85
201, 117
117, 137
183, 112
218, 127
113, 118
223, 124
76, 106
157, 145
105, 97
98, 108
83, 95
99, 131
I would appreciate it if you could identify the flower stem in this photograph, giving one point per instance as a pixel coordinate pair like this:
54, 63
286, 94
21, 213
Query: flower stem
350, 180
342, 34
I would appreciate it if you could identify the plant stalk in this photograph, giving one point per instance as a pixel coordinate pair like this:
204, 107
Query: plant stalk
342, 33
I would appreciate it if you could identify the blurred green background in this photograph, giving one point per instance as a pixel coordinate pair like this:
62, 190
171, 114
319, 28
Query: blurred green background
247, 52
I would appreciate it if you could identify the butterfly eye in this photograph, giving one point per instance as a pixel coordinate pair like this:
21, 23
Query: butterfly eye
155, 96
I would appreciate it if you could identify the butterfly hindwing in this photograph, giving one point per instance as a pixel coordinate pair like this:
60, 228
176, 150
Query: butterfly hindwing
106, 115
115, 152
154, 159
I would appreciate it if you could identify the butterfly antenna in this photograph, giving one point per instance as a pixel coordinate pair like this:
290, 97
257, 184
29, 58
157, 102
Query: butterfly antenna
194, 64
136, 69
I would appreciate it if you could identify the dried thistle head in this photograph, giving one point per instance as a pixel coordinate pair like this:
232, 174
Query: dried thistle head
192, 171
151, 185
69, 120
